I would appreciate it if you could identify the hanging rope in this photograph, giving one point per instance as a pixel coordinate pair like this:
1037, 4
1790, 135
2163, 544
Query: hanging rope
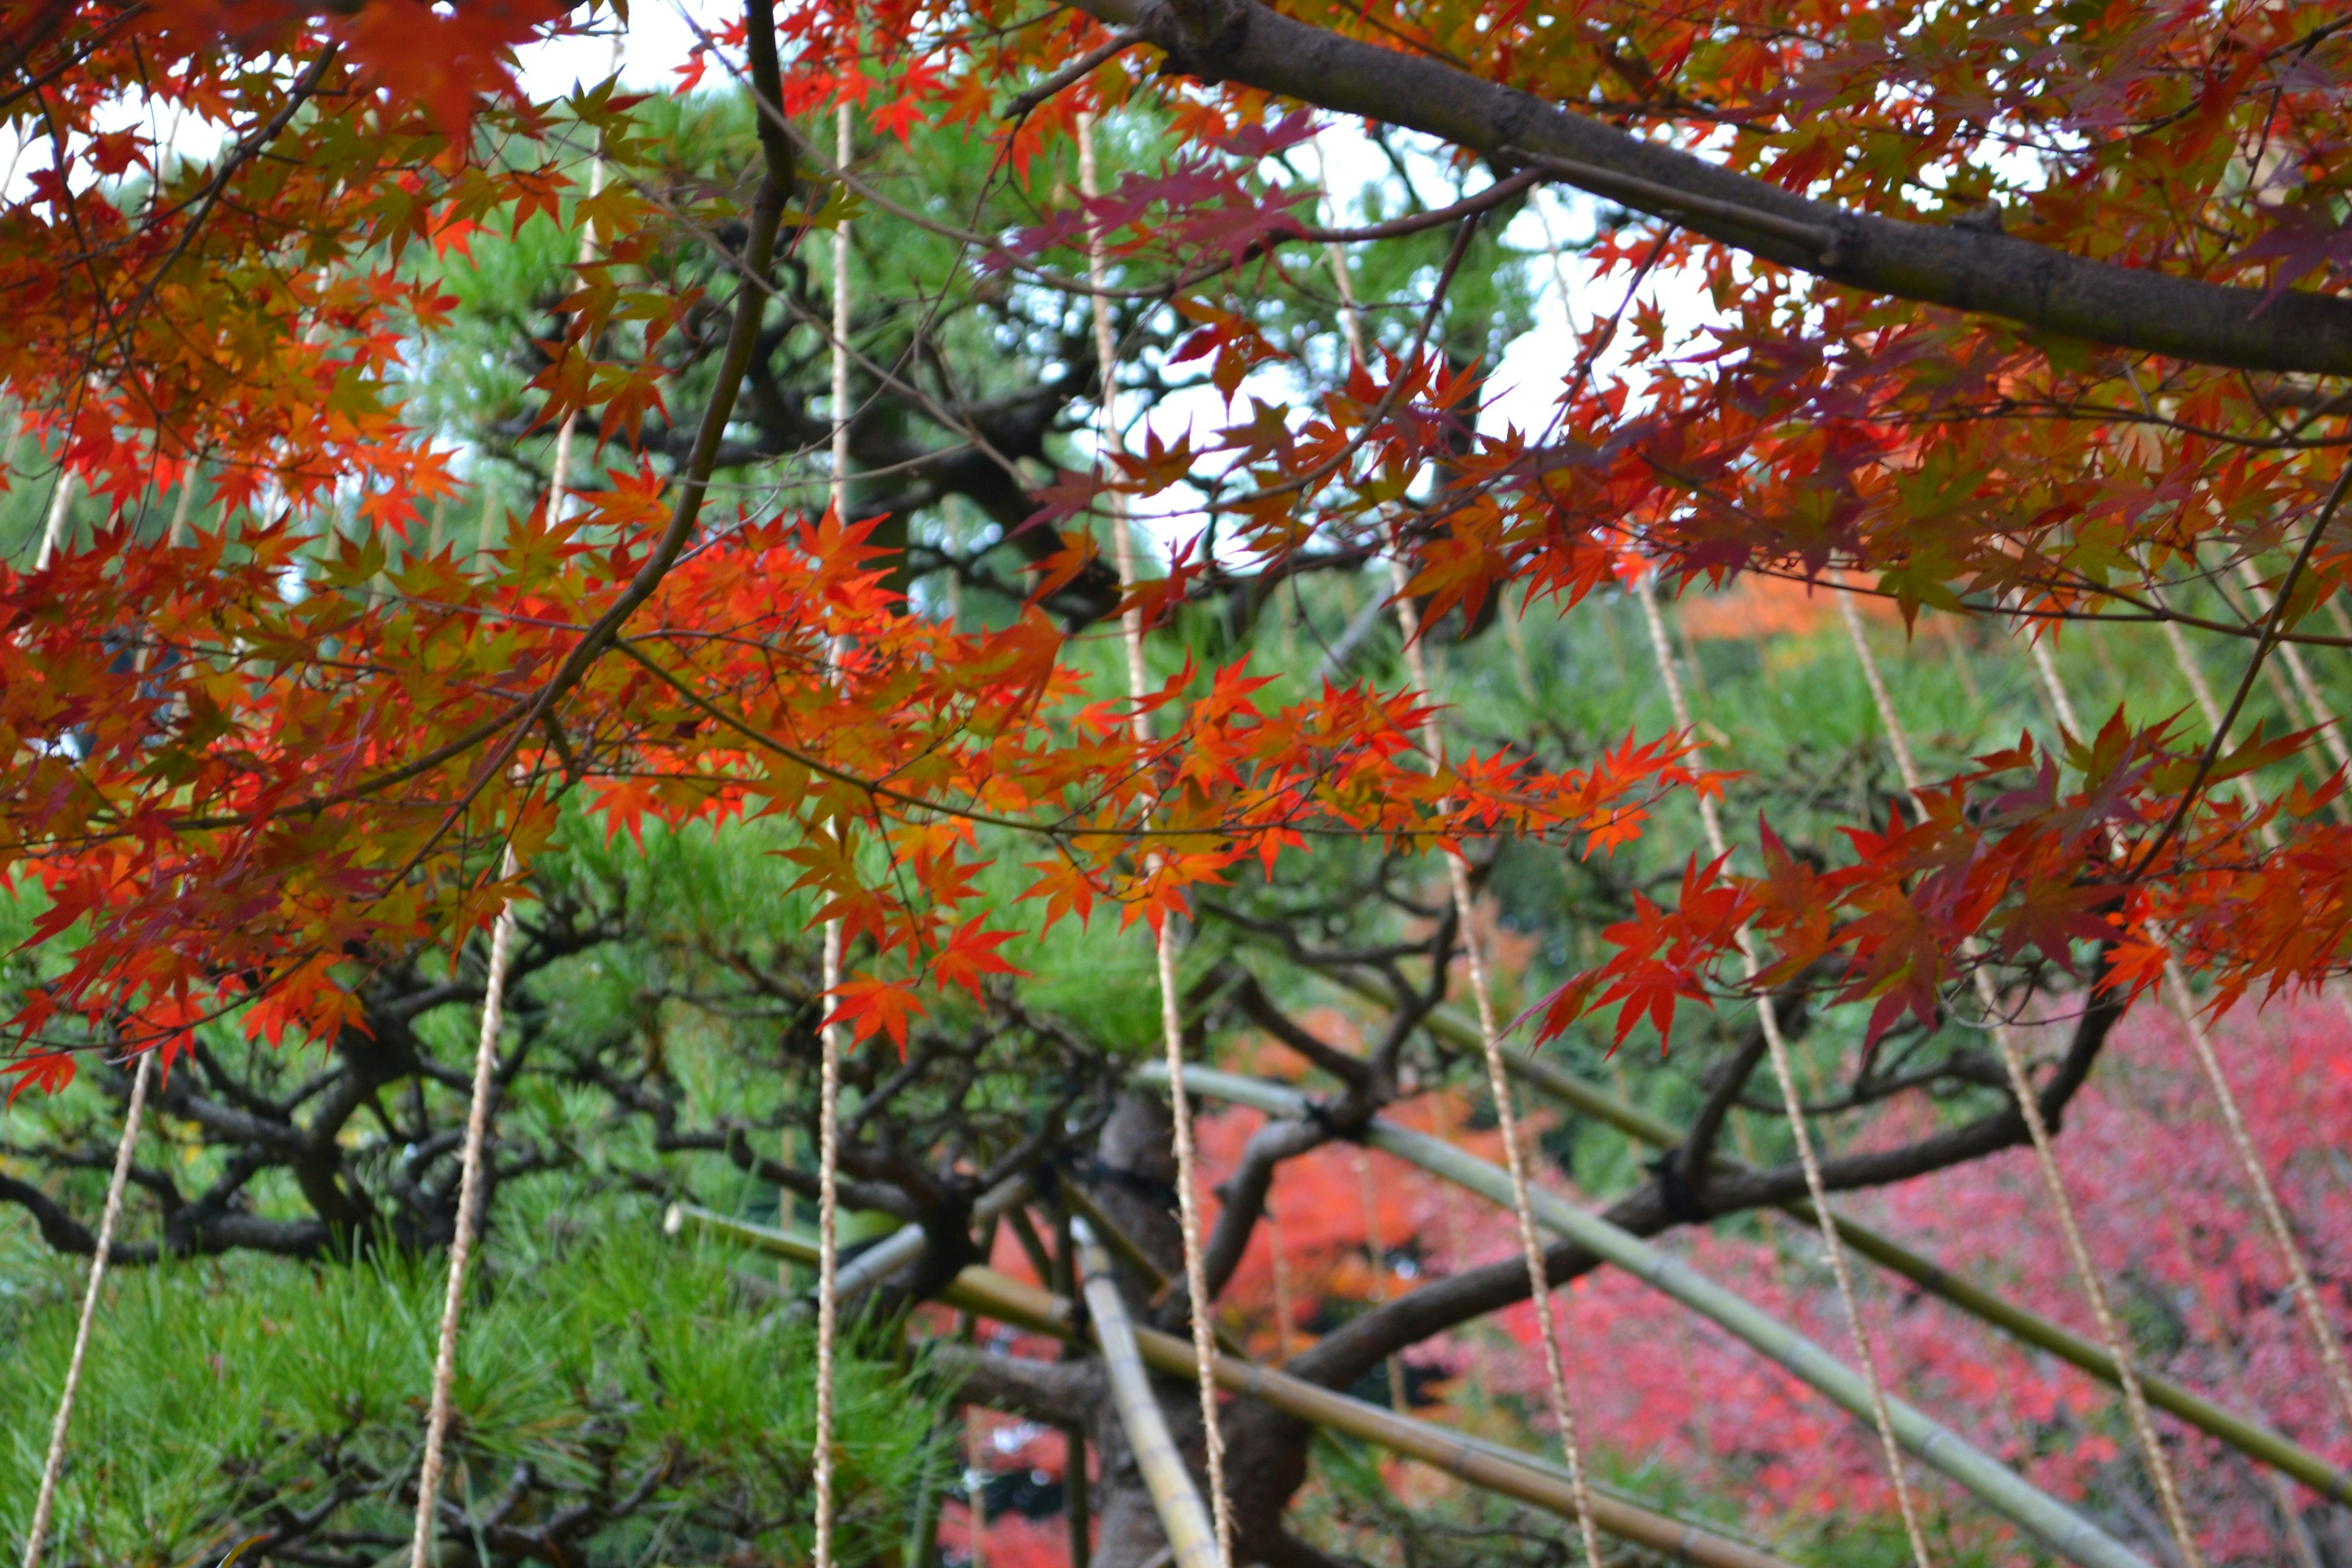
2207, 704
829, 1114
2183, 1002
461, 1244
2318, 715
53, 1464
1498, 1086
1777, 1048
1556, 1393
1172, 1021
2113, 1334
486, 1052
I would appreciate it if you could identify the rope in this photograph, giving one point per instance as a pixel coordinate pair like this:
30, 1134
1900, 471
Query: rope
1172, 1022
1776, 1047
2306, 1293
2112, 1333
486, 1049
1490, 1041
2207, 705
828, 1124
461, 1244
53, 1465
1562, 1408
2183, 1003
2319, 715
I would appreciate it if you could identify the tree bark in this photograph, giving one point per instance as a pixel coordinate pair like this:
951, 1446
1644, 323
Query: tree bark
2036, 286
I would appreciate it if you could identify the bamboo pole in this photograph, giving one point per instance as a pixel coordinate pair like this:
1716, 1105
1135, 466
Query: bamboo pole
2248, 1437
1191, 1538
1487, 1466
2047, 1520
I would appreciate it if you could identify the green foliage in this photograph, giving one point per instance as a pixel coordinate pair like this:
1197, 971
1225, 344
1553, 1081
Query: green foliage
219, 1396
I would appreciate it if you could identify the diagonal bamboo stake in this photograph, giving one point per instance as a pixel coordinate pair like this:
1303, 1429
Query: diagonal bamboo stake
2047, 1520
1191, 1538
2239, 1432
1172, 1022
1777, 1048
2248, 1437
1498, 1086
2113, 1333
1489, 1466
2183, 1002
828, 1123
52, 1463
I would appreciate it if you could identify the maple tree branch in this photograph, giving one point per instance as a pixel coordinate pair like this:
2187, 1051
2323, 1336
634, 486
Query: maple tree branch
238, 157
2271, 622
1083, 66
2034, 285
763, 221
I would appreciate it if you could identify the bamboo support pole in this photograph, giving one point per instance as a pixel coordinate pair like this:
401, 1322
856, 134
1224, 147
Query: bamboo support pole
1191, 1538
53, 527
2248, 1437
2048, 1521
1487, 1466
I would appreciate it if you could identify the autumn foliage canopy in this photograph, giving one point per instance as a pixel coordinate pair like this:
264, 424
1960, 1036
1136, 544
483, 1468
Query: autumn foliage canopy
240, 792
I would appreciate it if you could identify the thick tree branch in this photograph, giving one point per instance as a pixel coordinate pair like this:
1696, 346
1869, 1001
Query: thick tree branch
1244, 1195
1061, 1393
2034, 285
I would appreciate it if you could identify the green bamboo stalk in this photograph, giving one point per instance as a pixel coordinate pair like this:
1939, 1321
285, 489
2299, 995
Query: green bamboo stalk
1484, 1464
1182, 1517
2044, 1516
2247, 1436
